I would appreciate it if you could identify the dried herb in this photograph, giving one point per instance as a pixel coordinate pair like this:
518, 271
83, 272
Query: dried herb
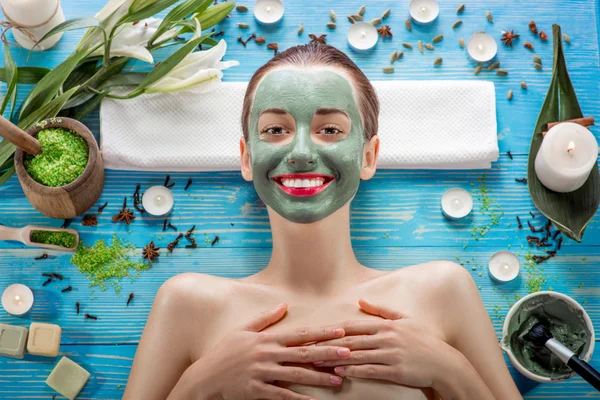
130, 298
388, 70
508, 37
523, 85
532, 214
241, 8
169, 225
533, 27
47, 282
477, 69
62, 239
189, 182
521, 180
150, 252
520, 225
57, 276
437, 38
460, 9
493, 66
509, 95
300, 29
215, 241
77, 307
376, 21
537, 66
501, 72
489, 17
274, 47
528, 45
174, 243
67, 289
243, 25
408, 24
555, 235
429, 46
190, 231
385, 31
88, 316
509, 154
124, 215
331, 25
332, 15
260, 40
42, 257
566, 38
362, 9
543, 36
164, 225
438, 61
386, 13
461, 43
407, 45
420, 46
456, 24
101, 208
89, 220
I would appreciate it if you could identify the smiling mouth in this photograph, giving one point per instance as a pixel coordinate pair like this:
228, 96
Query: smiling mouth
303, 185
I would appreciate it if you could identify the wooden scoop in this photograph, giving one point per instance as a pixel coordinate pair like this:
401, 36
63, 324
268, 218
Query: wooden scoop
23, 235
19, 137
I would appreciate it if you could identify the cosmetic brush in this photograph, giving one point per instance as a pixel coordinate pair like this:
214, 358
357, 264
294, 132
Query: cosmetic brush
540, 336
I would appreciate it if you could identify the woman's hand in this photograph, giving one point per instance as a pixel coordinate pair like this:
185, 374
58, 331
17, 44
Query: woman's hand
244, 365
396, 349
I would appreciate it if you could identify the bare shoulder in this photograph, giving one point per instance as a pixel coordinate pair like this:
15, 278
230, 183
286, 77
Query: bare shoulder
193, 286
435, 275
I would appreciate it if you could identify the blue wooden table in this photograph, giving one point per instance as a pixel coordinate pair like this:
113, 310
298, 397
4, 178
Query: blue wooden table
396, 218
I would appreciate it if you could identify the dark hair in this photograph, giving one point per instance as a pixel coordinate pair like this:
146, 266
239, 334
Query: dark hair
325, 55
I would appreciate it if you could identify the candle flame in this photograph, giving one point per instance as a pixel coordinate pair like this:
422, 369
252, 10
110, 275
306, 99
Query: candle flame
480, 47
17, 298
423, 9
571, 147
268, 9
363, 34
505, 266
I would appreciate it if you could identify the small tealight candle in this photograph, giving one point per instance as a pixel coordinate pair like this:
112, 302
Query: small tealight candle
482, 47
566, 157
456, 203
17, 299
423, 11
268, 11
158, 201
504, 266
362, 36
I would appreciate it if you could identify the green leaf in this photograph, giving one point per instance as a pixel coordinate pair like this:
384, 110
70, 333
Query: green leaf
81, 74
48, 110
7, 149
168, 64
215, 14
6, 175
10, 69
570, 212
70, 25
178, 13
81, 111
26, 75
146, 12
50, 84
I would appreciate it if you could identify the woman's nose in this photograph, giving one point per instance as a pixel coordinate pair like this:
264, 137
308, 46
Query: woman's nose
302, 155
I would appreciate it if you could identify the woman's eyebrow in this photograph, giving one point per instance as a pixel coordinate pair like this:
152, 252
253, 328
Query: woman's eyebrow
273, 111
331, 110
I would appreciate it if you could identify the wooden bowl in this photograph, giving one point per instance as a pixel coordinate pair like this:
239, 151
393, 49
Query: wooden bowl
75, 198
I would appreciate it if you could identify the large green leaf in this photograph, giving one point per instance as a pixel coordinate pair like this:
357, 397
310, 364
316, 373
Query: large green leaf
11, 72
570, 212
6, 175
137, 14
70, 25
211, 16
26, 75
7, 149
48, 110
177, 14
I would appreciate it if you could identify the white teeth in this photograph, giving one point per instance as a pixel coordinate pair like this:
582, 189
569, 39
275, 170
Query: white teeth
302, 183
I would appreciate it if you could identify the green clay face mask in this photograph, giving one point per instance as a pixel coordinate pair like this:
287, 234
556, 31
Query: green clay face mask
280, 170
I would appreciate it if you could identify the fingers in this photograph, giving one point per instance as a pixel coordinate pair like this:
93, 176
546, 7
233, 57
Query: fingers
358, 342
359, 327
307, 335
308, 354
271, 392
363, 357
381, 372
266, 318
380, 310
303, 376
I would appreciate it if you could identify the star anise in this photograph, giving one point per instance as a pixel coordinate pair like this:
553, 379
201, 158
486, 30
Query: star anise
150, 252
385, 31
124, 215
319, 39
89, 220
508, 37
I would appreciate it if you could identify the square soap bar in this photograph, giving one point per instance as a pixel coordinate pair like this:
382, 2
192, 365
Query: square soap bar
12, 341
44, 339
67, 378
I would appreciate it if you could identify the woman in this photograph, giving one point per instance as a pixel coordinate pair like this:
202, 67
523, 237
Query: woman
345, 331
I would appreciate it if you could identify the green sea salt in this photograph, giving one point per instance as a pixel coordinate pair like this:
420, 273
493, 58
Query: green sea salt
62, 239
63, 158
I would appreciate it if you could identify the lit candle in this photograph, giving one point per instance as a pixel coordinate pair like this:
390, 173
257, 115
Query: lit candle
362, 36
268, 11
566, 157
17, 299
158, 201
32, 19
504, 266
423, 11
456, 203
482, 47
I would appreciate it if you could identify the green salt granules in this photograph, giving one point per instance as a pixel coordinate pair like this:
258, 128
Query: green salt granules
63, 158
63, 239
105, 265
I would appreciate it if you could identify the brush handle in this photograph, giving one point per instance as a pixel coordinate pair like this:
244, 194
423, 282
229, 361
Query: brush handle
19, 137
585, 370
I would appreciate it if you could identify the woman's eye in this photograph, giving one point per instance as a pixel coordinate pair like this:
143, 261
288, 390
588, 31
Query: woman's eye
330, 130
274, 130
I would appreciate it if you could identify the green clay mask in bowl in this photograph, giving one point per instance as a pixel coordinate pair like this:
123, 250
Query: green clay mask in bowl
568, 323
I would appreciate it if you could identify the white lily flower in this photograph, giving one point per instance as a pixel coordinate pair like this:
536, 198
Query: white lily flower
132, 40
199, 72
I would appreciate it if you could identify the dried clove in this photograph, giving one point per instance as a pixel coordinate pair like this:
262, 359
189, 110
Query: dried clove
47, 282
164, 225
521, 180
77, 307
533, 27
88, 316
42, 257
215, 241
189, 182
101, 208
190, 232
130, 298
169, 225
509, 154
66, 223
555, 235
519, 222
67, 289
532, 215
559, 244
274, 47
57, 276
531, 228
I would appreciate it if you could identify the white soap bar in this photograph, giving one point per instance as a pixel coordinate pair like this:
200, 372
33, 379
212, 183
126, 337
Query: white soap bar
44, 339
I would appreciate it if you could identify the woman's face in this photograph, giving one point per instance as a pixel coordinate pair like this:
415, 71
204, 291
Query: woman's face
306, 143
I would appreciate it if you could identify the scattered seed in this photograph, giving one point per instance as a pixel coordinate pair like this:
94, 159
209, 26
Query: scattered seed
509, 96
393, 56
501, 72
523, 85
332, 15
528, 45
273, 46
241, 8
351, 19
386, 13
300, 29
461, 43
260, 40
376, 21
357, 17
536, 59
438, 61
437, 38
361, 10
242, 25
543, 36
460, 9
429, 46
566, 38
456, 24
537, 66
420, 46
407, 45
533, 27
478, 69
388, 70
493, 66
489, 17
399, 54
331, 25
408, 24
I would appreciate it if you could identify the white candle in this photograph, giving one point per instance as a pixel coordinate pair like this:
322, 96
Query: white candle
17, 299
482, 47
362, 36
456, 203
504, 266
36, 17
158, 201
566, 157
423, 11
268, 12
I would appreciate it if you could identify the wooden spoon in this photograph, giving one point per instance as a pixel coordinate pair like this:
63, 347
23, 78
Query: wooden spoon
23, 235
19, 137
